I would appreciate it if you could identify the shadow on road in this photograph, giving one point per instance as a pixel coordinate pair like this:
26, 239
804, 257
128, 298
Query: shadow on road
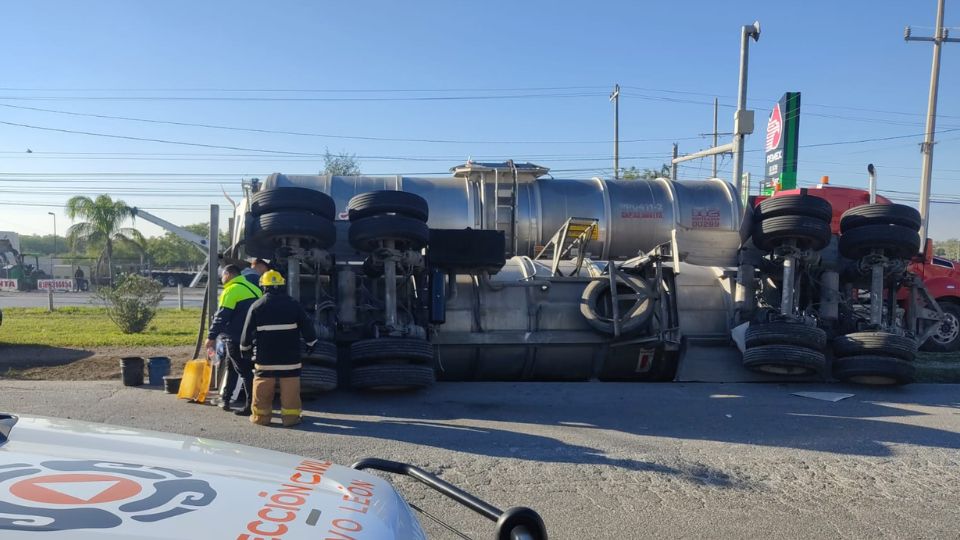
19, 356
489, 418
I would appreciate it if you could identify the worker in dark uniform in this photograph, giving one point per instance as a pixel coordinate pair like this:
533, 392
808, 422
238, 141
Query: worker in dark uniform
271, 336
257, 268
235, 300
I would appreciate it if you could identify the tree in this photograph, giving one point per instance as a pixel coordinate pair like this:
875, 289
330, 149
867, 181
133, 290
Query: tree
632, 173
171, 251
341, 164
103, 226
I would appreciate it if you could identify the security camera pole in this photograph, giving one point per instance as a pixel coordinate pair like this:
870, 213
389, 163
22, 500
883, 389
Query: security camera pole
940, 35
615, 98
743, 119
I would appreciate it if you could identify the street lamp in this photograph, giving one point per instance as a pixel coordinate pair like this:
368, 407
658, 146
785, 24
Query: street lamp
54, 242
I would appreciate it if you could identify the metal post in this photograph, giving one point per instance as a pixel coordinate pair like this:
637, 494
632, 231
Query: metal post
293, 278
872, 172
180, 296
50, 299
940, 35
615, 98
738, 135
716, 111
213, 283
876, 294
390, 288
789, 273
673, 163
54, 243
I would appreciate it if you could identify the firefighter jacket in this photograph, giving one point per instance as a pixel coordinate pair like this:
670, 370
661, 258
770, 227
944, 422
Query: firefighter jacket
237, 297
272, 334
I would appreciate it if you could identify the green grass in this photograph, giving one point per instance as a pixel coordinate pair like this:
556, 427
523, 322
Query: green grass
83, 327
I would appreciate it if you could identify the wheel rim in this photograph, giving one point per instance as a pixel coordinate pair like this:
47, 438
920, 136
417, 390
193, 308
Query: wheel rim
874, 380
949, 329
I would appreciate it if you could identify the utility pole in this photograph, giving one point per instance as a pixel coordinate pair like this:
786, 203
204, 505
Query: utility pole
940, 35
716, 111
743, 119
615, 98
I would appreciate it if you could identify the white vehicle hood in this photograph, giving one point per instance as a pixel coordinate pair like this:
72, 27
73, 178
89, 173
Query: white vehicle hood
67, 479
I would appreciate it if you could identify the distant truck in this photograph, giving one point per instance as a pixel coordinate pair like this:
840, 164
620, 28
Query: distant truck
941, 276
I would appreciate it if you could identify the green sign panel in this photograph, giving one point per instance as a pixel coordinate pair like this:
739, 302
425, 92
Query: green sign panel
783, 130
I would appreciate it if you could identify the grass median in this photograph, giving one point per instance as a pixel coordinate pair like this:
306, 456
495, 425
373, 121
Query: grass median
90, 327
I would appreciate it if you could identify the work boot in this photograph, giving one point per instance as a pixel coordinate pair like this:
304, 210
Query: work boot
225, 404
290, 420
243, 412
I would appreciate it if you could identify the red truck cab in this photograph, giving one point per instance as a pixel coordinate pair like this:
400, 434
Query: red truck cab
941, 276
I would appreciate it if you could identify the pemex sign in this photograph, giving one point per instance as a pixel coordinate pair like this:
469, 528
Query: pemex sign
783, 130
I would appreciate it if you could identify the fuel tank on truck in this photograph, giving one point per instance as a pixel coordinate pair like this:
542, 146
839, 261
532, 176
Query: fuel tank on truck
531, 207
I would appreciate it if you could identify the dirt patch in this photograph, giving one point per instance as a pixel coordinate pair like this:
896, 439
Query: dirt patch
59, 364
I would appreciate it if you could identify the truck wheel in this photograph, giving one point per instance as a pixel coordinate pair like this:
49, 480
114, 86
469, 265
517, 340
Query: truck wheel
304, 225
367, 233
324, 354
875, 344
783, 333
315, 379
809, 232
873, 370
373, 203
292, 198
784, 360
880, 214
392, 377
795, 205
896, 241
635, 305
947, 337
415, 351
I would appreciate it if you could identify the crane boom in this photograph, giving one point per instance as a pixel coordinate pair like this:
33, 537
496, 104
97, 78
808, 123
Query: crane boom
200, 242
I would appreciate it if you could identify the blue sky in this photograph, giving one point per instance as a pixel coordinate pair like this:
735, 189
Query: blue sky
858, 79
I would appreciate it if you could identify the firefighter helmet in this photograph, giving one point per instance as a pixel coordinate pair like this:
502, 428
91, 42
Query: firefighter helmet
272, 278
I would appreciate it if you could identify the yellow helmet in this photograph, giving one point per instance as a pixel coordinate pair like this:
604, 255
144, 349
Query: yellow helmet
272, 278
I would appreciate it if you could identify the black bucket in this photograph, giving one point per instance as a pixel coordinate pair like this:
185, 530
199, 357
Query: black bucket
131, 370
171, 385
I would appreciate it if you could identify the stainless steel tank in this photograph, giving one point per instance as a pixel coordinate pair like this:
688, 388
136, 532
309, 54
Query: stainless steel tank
633, 215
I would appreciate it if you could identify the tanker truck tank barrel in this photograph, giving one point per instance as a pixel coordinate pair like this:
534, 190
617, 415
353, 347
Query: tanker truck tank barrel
633, 216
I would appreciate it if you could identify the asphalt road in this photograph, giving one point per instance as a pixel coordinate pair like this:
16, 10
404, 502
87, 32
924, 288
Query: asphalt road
606, 460
191, 298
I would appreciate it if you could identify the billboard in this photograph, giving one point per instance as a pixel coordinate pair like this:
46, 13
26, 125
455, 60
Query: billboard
783, 130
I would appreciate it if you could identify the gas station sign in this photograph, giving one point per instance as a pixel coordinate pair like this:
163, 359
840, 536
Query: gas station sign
783, 129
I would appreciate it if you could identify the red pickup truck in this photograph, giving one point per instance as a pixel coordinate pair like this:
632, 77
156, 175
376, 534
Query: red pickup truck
941, 276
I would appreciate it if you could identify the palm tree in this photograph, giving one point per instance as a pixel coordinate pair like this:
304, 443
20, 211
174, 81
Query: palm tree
103, 226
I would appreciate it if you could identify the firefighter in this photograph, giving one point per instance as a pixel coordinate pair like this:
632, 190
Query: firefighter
271, 338
235, 300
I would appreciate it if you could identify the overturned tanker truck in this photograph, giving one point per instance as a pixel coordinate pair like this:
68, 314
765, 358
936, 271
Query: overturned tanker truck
501, 272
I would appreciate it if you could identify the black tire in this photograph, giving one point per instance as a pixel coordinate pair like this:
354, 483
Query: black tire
635, 312
415, 351
373, 203
947, 338
809, 232
873, 370
324, 354
794, 205
875, 344
293, 198
318, 230
782, 333
880, 214
316, 379
896, 241
784, 360
392, 377
366, 234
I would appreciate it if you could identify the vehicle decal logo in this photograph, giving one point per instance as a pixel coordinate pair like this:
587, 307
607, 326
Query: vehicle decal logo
774, 128
69, 495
